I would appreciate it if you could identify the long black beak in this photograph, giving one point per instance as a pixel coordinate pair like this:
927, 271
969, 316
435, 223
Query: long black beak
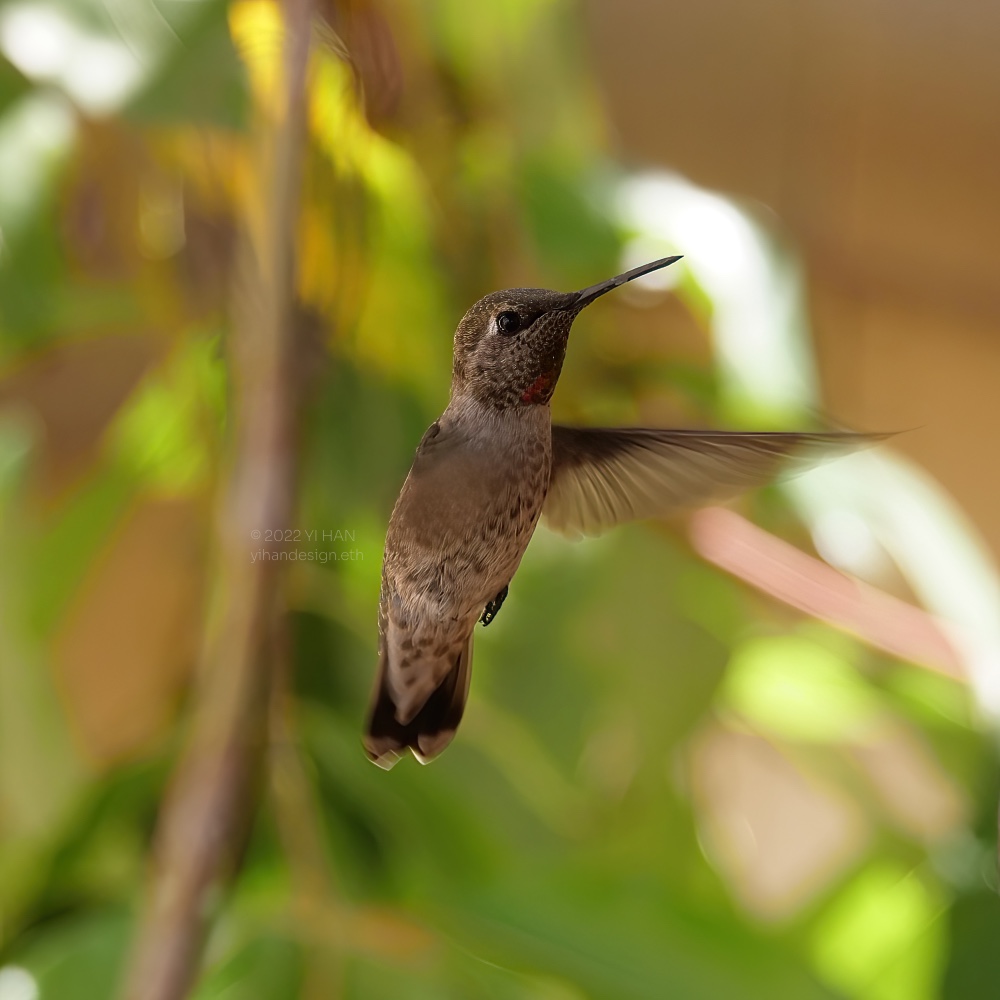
588, 295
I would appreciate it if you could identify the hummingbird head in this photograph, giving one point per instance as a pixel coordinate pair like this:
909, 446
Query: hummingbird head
510, 346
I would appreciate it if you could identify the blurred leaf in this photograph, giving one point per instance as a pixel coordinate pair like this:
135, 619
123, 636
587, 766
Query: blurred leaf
370, 819
973, 968
267, 968
940, 702
36, 751
882, 938
202, 82
612, 949
163, 434
571, 236
325, 656
72, 539
799, 690
12, 84
37, 133
78, 958
99, 850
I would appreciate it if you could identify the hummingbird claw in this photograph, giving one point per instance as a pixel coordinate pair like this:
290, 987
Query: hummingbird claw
491, 609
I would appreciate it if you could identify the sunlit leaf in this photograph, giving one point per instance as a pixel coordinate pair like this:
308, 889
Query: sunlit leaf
797, 689
882, 938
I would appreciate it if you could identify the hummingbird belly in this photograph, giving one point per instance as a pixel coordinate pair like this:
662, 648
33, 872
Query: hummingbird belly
462, 522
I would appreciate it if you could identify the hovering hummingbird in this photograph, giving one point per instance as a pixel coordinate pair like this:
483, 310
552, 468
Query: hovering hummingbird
490, 466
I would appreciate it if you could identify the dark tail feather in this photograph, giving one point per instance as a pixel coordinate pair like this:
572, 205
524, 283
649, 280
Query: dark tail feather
431, 729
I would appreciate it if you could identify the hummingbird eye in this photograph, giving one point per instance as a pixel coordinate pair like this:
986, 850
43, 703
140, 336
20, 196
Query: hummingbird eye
508, 322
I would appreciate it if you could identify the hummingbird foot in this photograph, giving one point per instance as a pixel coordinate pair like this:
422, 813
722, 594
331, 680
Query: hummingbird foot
491, 609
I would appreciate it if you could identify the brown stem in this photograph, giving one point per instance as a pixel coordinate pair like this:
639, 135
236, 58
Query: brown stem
205, 816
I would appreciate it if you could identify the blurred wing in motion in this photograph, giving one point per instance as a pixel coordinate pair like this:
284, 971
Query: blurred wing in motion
603, 476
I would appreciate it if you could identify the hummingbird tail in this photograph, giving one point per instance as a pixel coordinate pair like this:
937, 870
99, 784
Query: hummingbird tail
386, 739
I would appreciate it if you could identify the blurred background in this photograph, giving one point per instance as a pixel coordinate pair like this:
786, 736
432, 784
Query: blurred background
750, 752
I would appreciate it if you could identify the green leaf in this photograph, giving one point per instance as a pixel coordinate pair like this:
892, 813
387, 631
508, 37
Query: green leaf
78, 958
799, 690
267, 968
202, 81
12, 84
973, 967
880, 939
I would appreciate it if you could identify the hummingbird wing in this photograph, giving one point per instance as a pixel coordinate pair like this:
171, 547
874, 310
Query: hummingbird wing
603, 476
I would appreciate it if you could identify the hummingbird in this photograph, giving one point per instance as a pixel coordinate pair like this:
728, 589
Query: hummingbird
494, 463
